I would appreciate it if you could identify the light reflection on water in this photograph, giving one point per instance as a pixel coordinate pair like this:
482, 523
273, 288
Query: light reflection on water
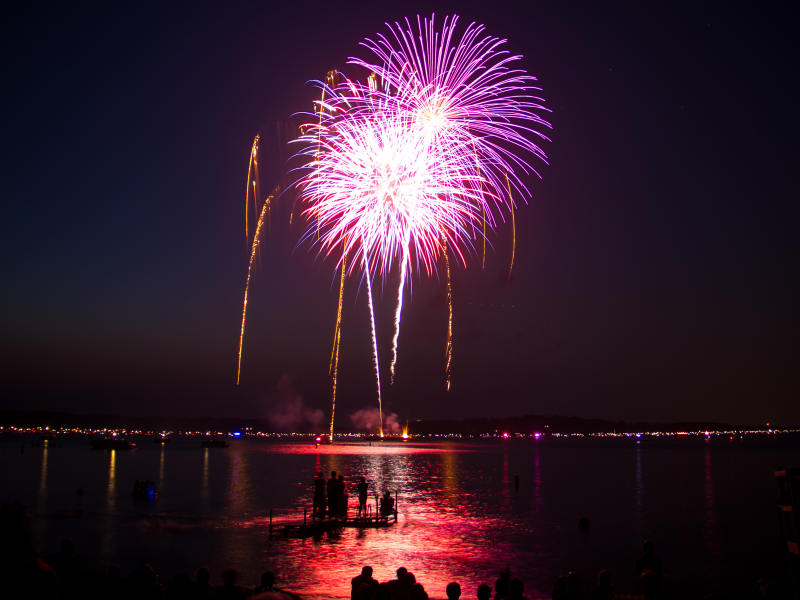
461, 517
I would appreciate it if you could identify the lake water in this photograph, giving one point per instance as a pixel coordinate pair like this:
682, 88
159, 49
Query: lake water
709, 506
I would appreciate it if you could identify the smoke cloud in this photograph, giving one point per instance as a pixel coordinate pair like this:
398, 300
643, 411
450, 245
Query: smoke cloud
368, 420
288, 411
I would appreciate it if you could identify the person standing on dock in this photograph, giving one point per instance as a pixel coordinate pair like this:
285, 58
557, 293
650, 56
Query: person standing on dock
319, 497
332, 488
363, 492
341, 490
387, 505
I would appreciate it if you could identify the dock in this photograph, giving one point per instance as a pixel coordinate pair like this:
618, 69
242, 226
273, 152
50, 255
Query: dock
314, 527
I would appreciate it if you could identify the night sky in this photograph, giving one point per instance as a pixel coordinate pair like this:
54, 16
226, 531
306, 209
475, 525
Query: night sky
656, 269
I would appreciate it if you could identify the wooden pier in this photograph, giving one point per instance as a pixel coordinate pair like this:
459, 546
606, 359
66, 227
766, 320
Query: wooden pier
315, 527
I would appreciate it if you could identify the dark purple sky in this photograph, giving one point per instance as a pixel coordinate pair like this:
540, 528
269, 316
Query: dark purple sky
656, 270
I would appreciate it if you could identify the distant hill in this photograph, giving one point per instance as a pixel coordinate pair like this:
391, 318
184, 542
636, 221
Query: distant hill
526, 424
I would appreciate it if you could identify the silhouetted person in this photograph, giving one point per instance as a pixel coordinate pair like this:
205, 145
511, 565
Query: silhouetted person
501, 589
201, 586
363, 492
648, 560
603, 589
387, 505
94, 586
180, 588
573, 588
484, 592
649, 584
22, 573
341, 491
516, 587
453, 591
154, 588
68, 568
332, 490
365, 592
267, 584
394, 584
417, 592
113, 583
365, 577
561, 587
319, 497
229, 589
383, 591
406, 581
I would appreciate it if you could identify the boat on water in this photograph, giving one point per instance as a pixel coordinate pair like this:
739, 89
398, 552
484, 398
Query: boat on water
161, 440
214, 444
323, 438
111, 443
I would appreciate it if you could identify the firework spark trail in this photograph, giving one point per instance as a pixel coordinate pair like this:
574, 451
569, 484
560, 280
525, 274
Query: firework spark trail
337, 342
253, 153
256, 241
338, 314
374, 342
513, 231
403, 269
449, 321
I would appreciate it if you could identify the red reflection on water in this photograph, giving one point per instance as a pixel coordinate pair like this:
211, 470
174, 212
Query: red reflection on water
362, 448
442, 530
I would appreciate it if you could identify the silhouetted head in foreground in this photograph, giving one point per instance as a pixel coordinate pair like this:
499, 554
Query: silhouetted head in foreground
203, 575
364, 480
365, 592
417, 592
516, 587
333, 474
648, 547
182, 581
453, 591
68, 547
408, 580
229, 577
604, 578
268, 579
402, 570
505, 575
648, 582
573, 582
384, 591
484, 592
561, 583
366, 571
114, 575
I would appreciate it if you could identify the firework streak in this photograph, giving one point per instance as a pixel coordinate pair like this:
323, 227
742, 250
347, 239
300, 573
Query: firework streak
256, 242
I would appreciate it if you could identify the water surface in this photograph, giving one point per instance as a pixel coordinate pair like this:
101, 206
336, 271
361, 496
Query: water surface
709, 506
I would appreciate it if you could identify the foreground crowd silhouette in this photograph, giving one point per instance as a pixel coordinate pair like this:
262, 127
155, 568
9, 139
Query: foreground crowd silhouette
23, 575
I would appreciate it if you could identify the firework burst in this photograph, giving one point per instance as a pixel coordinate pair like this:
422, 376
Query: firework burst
418, 162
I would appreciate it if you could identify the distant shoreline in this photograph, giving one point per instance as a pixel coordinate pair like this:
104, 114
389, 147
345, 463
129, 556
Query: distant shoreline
527, 426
